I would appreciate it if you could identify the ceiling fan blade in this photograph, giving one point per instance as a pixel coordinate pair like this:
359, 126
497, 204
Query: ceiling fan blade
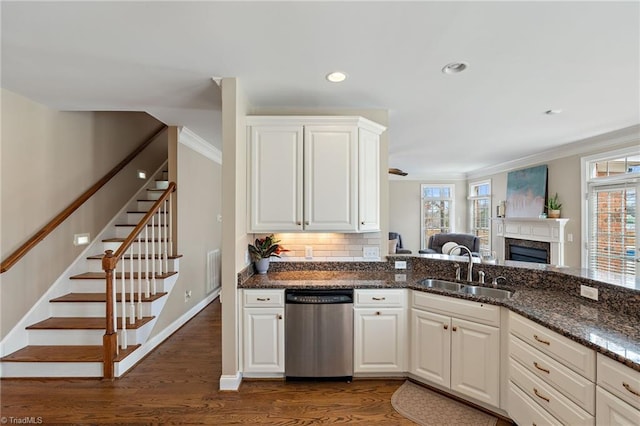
398, 172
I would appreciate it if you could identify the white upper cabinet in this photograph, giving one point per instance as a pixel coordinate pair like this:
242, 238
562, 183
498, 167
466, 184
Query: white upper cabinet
313, 174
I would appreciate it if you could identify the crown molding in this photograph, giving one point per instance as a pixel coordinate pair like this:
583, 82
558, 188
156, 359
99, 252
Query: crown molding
585, 146
430, 177
199, 145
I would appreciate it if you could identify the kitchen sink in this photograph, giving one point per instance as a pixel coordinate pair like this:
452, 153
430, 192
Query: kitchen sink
474, 290
496, 293
444, 285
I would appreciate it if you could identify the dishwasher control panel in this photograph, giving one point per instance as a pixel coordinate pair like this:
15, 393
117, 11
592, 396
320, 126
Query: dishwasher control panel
319, 297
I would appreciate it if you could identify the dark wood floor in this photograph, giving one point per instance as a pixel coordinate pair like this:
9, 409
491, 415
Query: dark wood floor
178, 384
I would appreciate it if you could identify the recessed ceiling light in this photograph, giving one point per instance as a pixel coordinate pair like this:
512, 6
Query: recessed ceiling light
455, 67
336, 77
553, 111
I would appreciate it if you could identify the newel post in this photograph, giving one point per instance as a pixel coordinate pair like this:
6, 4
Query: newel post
110, 338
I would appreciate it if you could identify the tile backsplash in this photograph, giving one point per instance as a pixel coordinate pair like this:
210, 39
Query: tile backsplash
327, 246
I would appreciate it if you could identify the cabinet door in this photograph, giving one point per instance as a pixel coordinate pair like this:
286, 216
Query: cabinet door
475, 360
379, 340
368, 181
431, 347
264, 340
275, 178
611, 410
330, 178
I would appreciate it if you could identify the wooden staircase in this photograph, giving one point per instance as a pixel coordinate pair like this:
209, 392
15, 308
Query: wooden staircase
69, 341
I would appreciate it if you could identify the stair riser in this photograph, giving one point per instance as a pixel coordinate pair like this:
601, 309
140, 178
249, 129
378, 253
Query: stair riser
95, 265
154, 195
83, 337
162, 184
135, 218
98, 286
145, 205
51, 369
133, 248
93, 309
158, 232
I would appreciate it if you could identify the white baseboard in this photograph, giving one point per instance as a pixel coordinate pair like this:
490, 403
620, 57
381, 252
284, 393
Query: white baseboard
124, 365
230, 382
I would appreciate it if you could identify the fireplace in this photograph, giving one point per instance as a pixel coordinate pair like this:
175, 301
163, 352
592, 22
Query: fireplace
527, 250
530, 239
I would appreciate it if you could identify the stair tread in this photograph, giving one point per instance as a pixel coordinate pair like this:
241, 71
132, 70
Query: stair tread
81, 323
67, 353
102, 297
135, 256
120, 240
102, 275
157, 189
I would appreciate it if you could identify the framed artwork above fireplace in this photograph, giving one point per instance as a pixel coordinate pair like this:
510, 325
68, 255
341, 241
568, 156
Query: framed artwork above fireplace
526, 192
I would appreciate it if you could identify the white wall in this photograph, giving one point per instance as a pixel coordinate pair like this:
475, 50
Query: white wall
405, 209
48, 158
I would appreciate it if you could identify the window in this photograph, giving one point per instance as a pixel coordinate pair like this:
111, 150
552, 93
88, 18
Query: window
480, 212
612, 183
437, 210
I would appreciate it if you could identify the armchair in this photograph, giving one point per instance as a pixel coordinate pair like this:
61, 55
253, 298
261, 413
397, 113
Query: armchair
399, 248
436, 242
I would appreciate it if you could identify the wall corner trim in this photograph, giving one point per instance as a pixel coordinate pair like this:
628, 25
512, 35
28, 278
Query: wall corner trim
196, 143
230, 382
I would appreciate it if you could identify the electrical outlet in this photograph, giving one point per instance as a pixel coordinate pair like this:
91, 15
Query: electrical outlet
401, 277
308, 252
401, 264
589, 292
371, 252
570, 238
187, 295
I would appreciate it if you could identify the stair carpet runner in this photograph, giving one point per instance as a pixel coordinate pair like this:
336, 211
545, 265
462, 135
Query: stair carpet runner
74, 335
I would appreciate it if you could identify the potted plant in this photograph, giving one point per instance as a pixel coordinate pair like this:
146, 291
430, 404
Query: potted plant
553, 207
262, 250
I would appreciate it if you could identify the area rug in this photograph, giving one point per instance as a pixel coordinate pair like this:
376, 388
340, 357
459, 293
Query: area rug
429, 408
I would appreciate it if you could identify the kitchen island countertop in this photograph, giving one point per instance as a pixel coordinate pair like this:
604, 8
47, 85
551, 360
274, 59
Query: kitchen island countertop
595, 325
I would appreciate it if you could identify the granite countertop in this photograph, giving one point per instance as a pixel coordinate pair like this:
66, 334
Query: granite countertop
608, 331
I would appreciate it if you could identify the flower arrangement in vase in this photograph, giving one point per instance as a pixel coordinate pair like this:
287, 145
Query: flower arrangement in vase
553, 207
262, 250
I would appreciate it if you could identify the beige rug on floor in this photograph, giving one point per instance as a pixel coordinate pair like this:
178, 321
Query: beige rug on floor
429, 408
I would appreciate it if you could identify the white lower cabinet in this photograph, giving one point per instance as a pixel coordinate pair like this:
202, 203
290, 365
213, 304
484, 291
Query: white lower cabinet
263, 332
456, 353
617, 394
379, 331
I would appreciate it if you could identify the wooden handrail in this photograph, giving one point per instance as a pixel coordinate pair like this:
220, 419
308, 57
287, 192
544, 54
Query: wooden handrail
109, 264
64, 214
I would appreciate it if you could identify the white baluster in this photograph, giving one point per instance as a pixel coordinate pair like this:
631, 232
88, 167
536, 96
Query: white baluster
159, 242
139, 307
123, 328
114, 303
132, 281
153, 254
146, 259
171, 250
166, 237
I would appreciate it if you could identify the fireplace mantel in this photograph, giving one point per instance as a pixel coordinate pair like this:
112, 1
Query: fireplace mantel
533, 229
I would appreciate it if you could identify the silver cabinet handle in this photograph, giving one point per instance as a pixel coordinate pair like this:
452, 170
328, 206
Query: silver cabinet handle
262, 299
628, 387
379, 298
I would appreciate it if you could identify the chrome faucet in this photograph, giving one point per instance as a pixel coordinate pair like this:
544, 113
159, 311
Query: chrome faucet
481, 277
457, 271
470, 267
494, 283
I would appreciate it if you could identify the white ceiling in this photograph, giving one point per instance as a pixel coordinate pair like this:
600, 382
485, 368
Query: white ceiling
524, 58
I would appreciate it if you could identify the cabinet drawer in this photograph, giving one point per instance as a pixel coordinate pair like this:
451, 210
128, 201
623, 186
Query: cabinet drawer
572, 354
263, 298
619, 379
464, 309
548, 397
571, 384
612, 411
383, 298
526, 412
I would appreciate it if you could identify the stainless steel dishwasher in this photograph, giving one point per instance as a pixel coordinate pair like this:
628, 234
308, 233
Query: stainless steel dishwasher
318, 334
